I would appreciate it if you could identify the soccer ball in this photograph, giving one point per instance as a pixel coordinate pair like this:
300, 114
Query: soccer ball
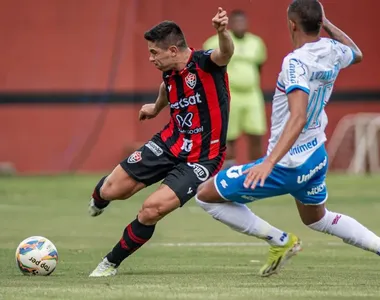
36, 255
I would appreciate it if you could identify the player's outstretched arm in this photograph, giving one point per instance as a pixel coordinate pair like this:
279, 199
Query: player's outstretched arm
222, 55
336, 34
150, 111
298, 100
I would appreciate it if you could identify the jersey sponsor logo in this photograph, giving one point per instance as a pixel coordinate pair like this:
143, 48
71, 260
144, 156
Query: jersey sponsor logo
296, 69
191, 80
135, 157
312, 172
186, 120
191, 131
316, 190
298, 149
152, 146
200, 171
185, 102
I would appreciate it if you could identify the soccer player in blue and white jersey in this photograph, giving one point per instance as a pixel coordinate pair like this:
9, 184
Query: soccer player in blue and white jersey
296, 162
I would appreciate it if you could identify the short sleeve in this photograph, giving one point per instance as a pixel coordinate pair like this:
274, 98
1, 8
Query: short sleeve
205, 62
295, 75
348, 55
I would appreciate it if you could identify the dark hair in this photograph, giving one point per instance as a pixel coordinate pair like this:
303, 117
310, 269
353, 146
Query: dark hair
166, 34
308, 13
237, 13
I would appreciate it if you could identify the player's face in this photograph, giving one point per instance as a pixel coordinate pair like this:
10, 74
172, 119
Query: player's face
239, 25
163, 59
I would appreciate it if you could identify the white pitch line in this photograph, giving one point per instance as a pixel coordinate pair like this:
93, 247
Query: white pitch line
216, 244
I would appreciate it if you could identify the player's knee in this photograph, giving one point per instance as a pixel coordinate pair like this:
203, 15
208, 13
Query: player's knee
202, 191
106, 191
152, 211
206, 191
112, 190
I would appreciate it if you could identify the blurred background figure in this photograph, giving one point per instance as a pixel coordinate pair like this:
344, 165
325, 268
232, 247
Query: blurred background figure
247, 114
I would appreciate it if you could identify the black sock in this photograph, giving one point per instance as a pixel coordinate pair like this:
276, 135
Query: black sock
135, 235
98, 200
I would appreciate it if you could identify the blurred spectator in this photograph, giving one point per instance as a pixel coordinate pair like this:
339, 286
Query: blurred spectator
247, 113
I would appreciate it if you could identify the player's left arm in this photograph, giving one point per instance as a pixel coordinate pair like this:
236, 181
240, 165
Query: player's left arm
298, 100
351, 57
222, 55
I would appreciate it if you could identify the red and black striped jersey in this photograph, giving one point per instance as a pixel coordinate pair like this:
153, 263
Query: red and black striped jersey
199, 99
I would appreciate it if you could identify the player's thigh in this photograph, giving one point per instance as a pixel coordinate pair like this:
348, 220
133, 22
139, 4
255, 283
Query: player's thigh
229, 184
254, 117
150, 163
160, 203
185, 178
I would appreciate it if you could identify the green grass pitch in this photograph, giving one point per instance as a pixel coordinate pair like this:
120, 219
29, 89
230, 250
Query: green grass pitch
191, 256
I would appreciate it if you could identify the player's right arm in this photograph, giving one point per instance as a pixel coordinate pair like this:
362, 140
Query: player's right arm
149, 111
336, 34
222, 55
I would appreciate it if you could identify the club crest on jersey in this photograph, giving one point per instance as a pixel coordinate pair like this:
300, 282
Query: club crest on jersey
191, 80
135, 157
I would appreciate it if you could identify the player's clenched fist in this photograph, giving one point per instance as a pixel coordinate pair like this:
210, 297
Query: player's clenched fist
148, 111
220, 21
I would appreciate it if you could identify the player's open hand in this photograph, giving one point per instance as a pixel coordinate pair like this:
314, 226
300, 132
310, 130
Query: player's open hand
257, 174
147, 111
220, 21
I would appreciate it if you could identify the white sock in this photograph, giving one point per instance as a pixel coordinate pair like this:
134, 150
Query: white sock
240, 218
349, 230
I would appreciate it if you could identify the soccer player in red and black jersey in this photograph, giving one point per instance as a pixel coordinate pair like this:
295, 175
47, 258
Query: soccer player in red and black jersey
190, 149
